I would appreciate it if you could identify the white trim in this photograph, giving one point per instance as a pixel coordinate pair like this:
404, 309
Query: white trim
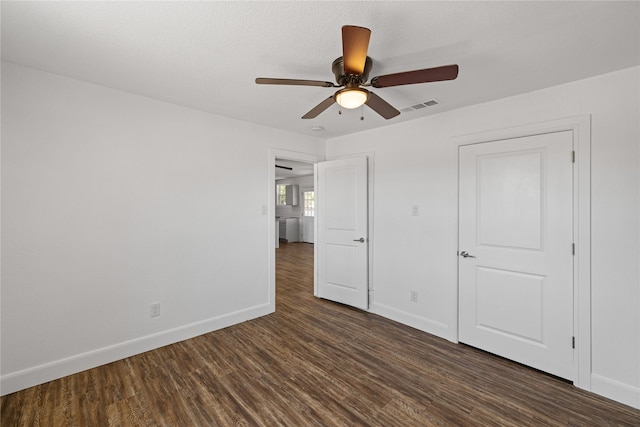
580, 126
433, 327
271, 209
30, 377
315, 232
620, 392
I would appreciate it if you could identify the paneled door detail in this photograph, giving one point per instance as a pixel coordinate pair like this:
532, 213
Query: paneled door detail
342, 241
515, 250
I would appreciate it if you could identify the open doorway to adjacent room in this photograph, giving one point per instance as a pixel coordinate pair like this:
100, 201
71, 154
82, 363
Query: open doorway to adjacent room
295, 206
295, 201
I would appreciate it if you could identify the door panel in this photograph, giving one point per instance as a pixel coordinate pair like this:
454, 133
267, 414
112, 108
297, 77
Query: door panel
341, 204
516, 223
341, 217
510, 303
509, 183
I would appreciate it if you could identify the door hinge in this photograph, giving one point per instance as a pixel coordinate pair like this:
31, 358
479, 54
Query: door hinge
573, 157
573, 342
573, 249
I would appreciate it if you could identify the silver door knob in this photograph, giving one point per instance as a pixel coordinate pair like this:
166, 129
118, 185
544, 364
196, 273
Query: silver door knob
361, 240
466, 254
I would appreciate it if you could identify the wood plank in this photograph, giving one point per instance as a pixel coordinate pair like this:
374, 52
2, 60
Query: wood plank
312, 363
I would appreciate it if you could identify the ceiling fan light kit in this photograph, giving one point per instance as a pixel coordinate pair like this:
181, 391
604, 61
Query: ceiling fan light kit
352, 71
351, 98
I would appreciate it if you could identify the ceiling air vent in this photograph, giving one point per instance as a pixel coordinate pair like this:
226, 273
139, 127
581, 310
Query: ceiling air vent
425, 104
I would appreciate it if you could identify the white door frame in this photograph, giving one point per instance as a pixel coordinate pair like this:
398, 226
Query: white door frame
581, 129
271, 209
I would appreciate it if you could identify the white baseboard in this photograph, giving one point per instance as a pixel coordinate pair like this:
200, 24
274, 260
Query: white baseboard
432, 327
615, 390
30, 377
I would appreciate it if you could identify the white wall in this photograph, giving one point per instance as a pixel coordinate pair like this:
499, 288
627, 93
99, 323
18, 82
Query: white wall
112, 201
415, 164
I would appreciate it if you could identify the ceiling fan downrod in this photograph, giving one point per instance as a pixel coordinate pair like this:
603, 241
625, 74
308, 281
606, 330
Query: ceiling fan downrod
346, 79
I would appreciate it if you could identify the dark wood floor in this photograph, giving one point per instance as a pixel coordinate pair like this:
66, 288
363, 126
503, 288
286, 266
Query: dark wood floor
312, 363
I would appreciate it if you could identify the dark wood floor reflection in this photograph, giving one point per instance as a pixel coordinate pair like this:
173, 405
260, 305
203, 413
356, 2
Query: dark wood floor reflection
312, 363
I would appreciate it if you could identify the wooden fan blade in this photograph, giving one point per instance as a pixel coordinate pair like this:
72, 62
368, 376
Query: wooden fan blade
313, 113
447, 72
293, 82
381, 106
355, 42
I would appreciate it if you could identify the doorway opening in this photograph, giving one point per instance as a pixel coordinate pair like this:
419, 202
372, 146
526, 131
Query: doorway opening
340, 203
295, 200
293, 210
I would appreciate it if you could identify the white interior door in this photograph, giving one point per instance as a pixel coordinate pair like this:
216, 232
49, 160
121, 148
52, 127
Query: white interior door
515, 243
341, 239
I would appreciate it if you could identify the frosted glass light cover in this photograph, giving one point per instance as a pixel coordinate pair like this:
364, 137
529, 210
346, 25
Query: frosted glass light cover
352, 98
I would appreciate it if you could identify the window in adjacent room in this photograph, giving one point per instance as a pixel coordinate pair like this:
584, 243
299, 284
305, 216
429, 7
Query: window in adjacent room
309, 203
281, 194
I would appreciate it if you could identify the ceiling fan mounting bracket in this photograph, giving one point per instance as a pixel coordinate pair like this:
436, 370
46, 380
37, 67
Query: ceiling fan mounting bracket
350, 80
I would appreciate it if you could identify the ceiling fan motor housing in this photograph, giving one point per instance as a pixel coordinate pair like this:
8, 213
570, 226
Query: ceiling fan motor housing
350, 80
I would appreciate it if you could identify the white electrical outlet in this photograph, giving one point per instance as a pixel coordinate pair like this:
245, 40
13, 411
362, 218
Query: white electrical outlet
154, 309
415, 210
414, 296
263, 210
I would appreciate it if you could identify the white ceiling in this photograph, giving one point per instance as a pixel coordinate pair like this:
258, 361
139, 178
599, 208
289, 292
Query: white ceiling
298, 169
206, 55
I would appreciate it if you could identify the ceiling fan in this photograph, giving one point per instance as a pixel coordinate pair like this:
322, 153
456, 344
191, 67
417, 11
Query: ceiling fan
352, 72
